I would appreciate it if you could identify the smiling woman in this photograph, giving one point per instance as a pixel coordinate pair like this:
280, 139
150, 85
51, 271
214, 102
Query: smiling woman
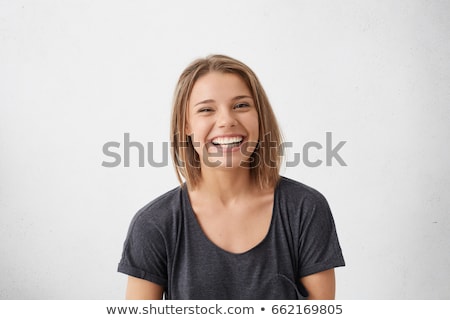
218, 128
234, 228
235, 81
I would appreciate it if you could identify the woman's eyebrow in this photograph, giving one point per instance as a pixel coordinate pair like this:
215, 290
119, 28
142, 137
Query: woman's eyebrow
233, 99
204, 101
241, 97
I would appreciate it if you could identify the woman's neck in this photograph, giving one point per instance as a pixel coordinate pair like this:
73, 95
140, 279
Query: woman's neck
225, 186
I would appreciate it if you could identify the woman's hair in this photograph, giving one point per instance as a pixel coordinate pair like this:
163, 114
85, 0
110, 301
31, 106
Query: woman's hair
264, 163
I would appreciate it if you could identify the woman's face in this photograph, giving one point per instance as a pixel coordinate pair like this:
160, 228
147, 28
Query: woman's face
222, 120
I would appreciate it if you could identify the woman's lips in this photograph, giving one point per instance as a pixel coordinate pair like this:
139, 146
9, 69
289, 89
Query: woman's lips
227, 140
223, 144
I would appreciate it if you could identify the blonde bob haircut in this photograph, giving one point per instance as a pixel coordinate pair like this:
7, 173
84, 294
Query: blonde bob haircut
264, 163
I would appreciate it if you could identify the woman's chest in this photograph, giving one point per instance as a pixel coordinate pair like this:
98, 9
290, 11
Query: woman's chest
202, 270
235, 229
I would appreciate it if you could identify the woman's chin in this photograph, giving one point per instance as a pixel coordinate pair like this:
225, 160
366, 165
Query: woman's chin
227, 161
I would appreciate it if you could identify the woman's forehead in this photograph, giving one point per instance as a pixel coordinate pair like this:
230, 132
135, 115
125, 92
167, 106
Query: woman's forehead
218, 86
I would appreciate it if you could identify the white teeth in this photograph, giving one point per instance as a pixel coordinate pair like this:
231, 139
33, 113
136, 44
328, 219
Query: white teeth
227, 140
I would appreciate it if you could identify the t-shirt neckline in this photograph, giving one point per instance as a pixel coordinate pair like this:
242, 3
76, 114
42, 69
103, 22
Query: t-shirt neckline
191, 216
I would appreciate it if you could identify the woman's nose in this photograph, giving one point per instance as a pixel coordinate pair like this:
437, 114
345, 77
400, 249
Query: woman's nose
226, 118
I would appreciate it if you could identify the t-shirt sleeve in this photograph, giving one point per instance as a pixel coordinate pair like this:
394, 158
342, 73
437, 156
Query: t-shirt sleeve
144, 252
319, 247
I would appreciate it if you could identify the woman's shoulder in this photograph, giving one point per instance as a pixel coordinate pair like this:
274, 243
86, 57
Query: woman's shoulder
301, 205
162, 210
297, 192
297, 195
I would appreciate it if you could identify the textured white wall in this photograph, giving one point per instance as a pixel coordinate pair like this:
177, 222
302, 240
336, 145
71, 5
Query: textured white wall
77, 74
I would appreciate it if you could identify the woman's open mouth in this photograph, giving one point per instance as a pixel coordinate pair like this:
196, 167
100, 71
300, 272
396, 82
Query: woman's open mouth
225, 144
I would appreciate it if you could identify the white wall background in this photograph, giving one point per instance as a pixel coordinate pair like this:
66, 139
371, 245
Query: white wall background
77, 74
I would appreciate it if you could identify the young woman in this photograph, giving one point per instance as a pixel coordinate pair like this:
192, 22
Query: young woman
234, 228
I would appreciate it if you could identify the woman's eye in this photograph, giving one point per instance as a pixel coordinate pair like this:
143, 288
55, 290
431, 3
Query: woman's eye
205, 110
241, 105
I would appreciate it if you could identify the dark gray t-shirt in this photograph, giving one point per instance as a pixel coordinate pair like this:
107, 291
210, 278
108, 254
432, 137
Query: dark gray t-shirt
166, 245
